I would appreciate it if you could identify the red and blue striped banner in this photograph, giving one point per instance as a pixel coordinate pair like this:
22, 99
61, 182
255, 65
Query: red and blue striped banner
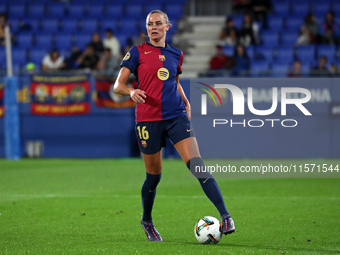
60, 95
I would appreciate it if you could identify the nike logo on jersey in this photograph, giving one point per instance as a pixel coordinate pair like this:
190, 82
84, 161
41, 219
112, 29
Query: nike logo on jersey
188, 130
147, 52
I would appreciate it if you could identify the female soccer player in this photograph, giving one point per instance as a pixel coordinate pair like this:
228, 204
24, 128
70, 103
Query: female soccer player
163, 111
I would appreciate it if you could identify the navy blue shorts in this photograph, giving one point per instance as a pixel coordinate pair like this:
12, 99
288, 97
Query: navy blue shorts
151, 135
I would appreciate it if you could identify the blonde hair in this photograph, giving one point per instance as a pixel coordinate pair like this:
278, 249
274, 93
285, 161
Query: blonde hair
165, 16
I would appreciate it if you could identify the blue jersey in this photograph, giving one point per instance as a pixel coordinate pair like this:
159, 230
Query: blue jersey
156, 69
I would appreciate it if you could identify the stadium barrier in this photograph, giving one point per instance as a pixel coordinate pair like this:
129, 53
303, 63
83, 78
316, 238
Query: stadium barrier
103, 132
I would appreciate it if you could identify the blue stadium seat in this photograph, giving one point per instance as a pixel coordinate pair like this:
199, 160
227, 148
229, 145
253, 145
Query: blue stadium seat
152, 6
114, 10
14, 25
36, 55
228, 50
3, 7
25, 40
294, 23
32, 23
69, 25
109, 23
50, 25
95, 10
43, 40
76, 10
36, 10
288, 38
238, 20
264, 53
134, 10
89, 25
275, 23
64, 41
122, 38
259, 68
270, 39
280, 69
327, 50
320, 7
81, 40
17, 11
306, 54
301, 8
128, 26
174, 11
285, 55
56, 10
336, 7
281, 7
250, 51
19, 56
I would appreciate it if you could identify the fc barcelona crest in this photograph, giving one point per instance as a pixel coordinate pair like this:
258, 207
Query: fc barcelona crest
161, 57
144, 144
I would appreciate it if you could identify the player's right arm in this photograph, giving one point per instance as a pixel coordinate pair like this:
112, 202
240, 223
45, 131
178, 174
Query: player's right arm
120, 87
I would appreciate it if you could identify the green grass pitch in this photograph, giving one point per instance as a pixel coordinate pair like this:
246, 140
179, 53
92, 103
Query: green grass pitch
74, 206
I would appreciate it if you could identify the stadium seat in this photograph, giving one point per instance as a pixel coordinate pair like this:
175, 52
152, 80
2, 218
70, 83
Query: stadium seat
114, 10
32, 24
306, 54
259, 68
95, 10
279, 69
36, 10
36, 55
264, 53
320, 7
69, 25
64, 41
250, 51
293, 23
109, 23
152, 6
275, 23
3, 7
128, 26
76, 10
134, 10
228, 50
270, 39
282, 7
44, 40
336, 7
288, 39
17, 11
238, 20
25, 40
284, 55
14, 25
175, 11
50, 25
81, 40
301, 8
56, 10
19, 56
327, 50
89, 25
122, 38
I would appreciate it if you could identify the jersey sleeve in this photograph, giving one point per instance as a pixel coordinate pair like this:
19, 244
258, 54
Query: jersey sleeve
179, 68
131, 59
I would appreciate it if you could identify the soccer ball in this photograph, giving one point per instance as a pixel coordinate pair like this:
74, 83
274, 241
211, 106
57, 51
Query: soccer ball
208, 230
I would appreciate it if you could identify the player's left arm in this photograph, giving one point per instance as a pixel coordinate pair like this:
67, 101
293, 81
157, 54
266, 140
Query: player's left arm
185, 99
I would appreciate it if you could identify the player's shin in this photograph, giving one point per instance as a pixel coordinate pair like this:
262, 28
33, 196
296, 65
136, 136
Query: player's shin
148, 195
208, 184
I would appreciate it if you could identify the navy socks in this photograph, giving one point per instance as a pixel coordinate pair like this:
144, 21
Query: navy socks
148, 195
209, 185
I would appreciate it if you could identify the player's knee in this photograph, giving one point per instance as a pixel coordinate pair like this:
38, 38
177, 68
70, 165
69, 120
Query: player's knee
198, 169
